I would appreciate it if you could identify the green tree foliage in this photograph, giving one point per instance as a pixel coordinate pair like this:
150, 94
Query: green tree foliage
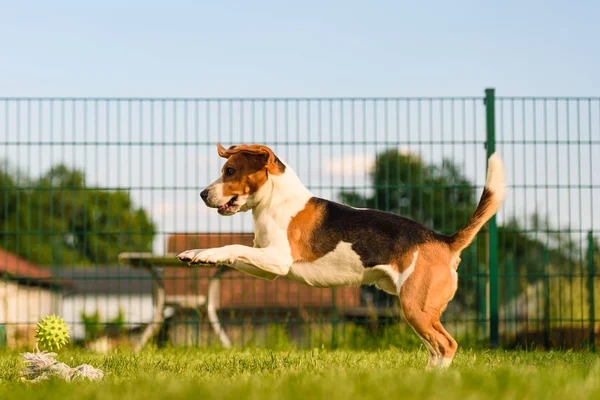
59, 220
438, 196
441, 197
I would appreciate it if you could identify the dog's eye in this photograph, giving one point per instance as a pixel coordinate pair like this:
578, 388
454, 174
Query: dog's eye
229, 171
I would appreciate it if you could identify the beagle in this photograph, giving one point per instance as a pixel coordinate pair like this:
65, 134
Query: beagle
326, 244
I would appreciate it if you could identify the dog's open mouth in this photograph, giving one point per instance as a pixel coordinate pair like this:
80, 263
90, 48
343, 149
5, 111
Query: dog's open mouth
229, 207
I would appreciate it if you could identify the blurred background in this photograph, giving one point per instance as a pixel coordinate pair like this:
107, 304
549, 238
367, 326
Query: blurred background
109, 117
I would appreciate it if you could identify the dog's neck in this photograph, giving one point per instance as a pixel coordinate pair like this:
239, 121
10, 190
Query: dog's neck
278, 191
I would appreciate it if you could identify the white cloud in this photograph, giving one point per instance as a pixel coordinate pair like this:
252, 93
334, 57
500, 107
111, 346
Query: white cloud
351, 165
356, 165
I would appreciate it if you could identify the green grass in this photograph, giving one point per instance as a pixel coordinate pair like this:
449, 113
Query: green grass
331, 375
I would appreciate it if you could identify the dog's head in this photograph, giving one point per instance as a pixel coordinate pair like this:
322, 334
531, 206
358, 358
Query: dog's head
248, 168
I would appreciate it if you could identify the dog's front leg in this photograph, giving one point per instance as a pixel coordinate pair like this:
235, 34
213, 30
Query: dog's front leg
267, 263
252, 270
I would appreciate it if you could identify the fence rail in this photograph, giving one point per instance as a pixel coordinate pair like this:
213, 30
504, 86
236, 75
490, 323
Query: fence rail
83, 180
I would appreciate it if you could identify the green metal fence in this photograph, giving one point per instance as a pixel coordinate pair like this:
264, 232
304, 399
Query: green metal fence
83, 180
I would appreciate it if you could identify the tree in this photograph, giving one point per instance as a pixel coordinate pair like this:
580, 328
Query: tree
8, 199
438, 196
441, 197
58, 219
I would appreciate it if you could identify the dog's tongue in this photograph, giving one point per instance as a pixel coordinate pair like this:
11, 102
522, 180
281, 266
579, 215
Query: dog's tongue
228, 204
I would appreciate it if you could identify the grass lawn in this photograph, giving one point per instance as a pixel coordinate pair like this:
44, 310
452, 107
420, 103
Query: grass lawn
331, 375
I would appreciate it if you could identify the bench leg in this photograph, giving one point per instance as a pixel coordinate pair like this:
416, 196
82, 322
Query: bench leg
158, 296
212, 304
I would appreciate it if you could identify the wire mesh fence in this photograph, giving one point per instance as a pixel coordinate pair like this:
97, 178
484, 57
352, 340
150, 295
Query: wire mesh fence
85, 180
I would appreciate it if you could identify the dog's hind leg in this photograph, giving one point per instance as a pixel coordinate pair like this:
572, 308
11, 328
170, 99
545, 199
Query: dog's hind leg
450, 349
424, 296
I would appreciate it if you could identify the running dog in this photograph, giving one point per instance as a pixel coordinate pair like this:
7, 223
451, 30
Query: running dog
326, 244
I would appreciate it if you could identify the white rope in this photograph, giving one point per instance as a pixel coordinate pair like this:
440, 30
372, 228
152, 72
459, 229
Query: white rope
41, 365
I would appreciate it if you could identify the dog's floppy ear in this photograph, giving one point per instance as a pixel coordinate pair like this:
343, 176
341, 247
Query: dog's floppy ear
268, 158
222, 152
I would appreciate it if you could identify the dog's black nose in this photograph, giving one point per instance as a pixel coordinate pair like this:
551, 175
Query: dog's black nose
204, 194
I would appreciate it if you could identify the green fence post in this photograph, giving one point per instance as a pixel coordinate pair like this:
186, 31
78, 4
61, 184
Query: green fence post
481, 289
334, 321
546, 298
3, 338
490, 122
591, 274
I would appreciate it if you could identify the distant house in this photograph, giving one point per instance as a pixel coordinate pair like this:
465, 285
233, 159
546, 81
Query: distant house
108, 291
244, 300
27, 293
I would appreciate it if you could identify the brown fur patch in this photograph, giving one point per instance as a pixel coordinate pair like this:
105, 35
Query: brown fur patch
436, 253
430, 253
249, 176
482, 214
266, 156
425, 295
430, 287
300, 232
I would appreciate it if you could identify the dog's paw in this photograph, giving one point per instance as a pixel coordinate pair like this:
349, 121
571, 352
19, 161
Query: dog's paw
188, 255
214, 256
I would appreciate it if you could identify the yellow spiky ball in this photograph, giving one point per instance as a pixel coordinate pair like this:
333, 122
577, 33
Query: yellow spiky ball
52, 333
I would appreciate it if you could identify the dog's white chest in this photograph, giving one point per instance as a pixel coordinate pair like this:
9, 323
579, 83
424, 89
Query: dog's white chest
340, 267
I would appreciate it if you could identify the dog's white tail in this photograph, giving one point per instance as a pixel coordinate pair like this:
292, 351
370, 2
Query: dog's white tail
490, 202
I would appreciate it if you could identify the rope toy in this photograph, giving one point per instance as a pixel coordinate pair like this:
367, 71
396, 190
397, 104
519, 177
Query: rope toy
42, 366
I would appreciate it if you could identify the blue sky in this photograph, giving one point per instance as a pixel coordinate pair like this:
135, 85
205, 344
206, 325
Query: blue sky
308, 48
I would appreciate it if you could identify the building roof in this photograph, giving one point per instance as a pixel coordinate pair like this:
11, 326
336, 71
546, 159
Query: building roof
14, 267
113, 280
